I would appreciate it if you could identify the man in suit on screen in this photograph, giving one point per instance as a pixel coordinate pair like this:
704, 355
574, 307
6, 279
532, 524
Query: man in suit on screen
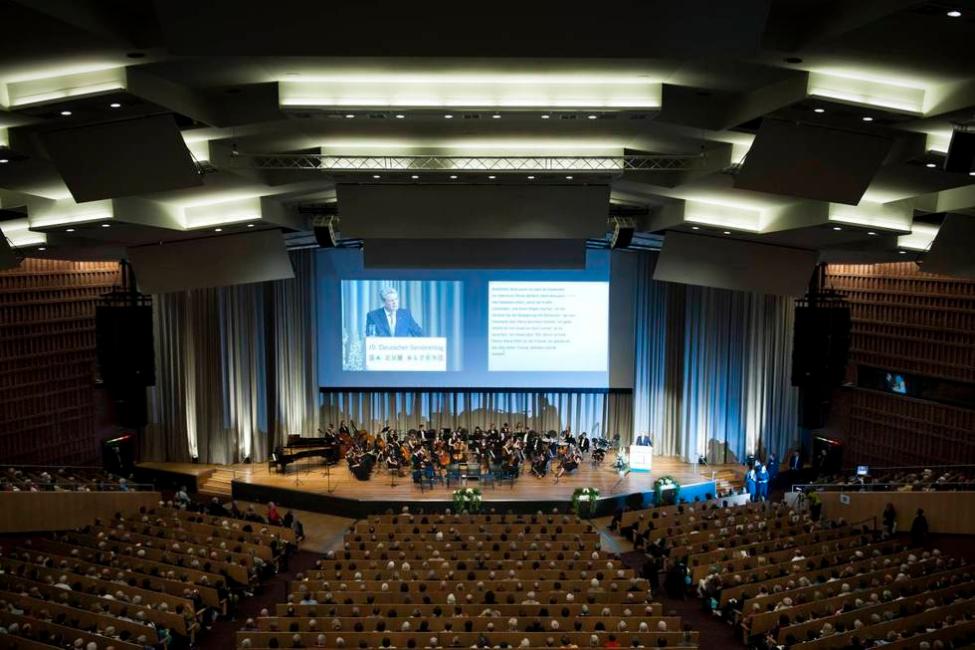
390, 319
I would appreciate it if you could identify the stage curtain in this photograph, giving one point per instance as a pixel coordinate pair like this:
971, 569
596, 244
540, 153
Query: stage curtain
598, 414
211, 395
711, 373
295, 349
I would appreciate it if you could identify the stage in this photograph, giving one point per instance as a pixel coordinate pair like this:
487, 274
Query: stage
308, 486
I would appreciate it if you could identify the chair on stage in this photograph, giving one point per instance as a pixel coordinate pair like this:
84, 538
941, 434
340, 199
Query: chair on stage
500, 474
425, 477
453, 474
474, 473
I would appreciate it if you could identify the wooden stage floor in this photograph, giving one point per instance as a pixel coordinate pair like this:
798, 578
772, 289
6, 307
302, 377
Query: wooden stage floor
310, 477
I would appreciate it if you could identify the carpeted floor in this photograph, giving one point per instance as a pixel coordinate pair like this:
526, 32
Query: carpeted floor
275, 591
715, 634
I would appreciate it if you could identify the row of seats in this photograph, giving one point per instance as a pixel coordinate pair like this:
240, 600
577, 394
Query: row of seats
486, 581
151, 579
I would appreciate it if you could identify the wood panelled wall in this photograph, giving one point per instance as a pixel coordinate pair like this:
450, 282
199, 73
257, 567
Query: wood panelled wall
47, 357
917, 323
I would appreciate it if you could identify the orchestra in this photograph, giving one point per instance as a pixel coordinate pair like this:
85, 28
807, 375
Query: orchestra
429, 452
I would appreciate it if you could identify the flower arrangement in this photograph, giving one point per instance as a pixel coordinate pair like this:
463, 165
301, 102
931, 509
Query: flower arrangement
665, 483
584, 501
467, 500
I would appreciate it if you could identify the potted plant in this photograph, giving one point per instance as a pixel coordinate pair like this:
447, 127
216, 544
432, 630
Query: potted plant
467, 500
584, 501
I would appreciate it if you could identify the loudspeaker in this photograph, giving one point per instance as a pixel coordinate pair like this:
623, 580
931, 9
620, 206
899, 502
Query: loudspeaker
325, 233
820, 345
622, 236
951, 250
961, 152
123, 338
814, 403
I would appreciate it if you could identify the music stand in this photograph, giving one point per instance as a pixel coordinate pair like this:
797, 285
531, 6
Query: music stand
623, 475
328, 476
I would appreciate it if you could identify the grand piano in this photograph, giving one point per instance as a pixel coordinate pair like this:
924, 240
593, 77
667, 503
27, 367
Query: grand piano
298, 448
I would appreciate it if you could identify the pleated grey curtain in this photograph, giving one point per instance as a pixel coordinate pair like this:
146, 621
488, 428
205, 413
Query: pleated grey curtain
295, 335
712, 370
211, 396
598, 414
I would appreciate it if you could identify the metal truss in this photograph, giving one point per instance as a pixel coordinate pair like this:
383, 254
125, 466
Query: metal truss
499, 164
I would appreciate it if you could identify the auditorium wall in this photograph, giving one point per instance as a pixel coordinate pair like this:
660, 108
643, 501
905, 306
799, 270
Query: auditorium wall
906, 321
47, 358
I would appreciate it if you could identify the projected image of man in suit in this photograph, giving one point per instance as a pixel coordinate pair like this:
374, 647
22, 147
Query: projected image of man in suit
391, 319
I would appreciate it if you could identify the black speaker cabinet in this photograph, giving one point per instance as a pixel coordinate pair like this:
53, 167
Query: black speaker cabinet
125, 351
821, 343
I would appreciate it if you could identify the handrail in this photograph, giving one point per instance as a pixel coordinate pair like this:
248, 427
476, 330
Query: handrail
921, 467
96, 486
883, 486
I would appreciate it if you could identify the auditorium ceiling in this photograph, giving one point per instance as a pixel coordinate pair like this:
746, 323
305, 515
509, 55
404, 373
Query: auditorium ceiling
822, 125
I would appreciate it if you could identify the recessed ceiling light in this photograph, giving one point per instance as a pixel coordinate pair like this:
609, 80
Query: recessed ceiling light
819, 110
531, 178
400, 116
592, 117
727, 232
250, 225
69, 230
66, 113
930, 165
106, 225
115, 105
496, 116
971, 173
867, 118
837, 228
545, 117
492, 177
872, 233
218, 230
42, 248
453, 176
414, 177
902, 252
3, 161
448, 116
376, 176
695, 227
349, 116
568, 178
954, 13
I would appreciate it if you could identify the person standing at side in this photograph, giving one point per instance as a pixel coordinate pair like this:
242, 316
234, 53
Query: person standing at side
890, 520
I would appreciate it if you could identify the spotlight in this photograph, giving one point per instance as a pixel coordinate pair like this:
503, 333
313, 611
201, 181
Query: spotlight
971, 173
531, 178
568, 178
819, 110
69, 230
453, 177
349, 116
414, 177
695, 227
837, 228
492, 177
400, 116
930, 165
872, 233
448, 116
218, 230
592, 117
66, 113
545, 117
726, 232
867, 118
496, 116
106, 225
3, 161
902, 252
376, 176
250, 225
115, 105
954, 13
42, 248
